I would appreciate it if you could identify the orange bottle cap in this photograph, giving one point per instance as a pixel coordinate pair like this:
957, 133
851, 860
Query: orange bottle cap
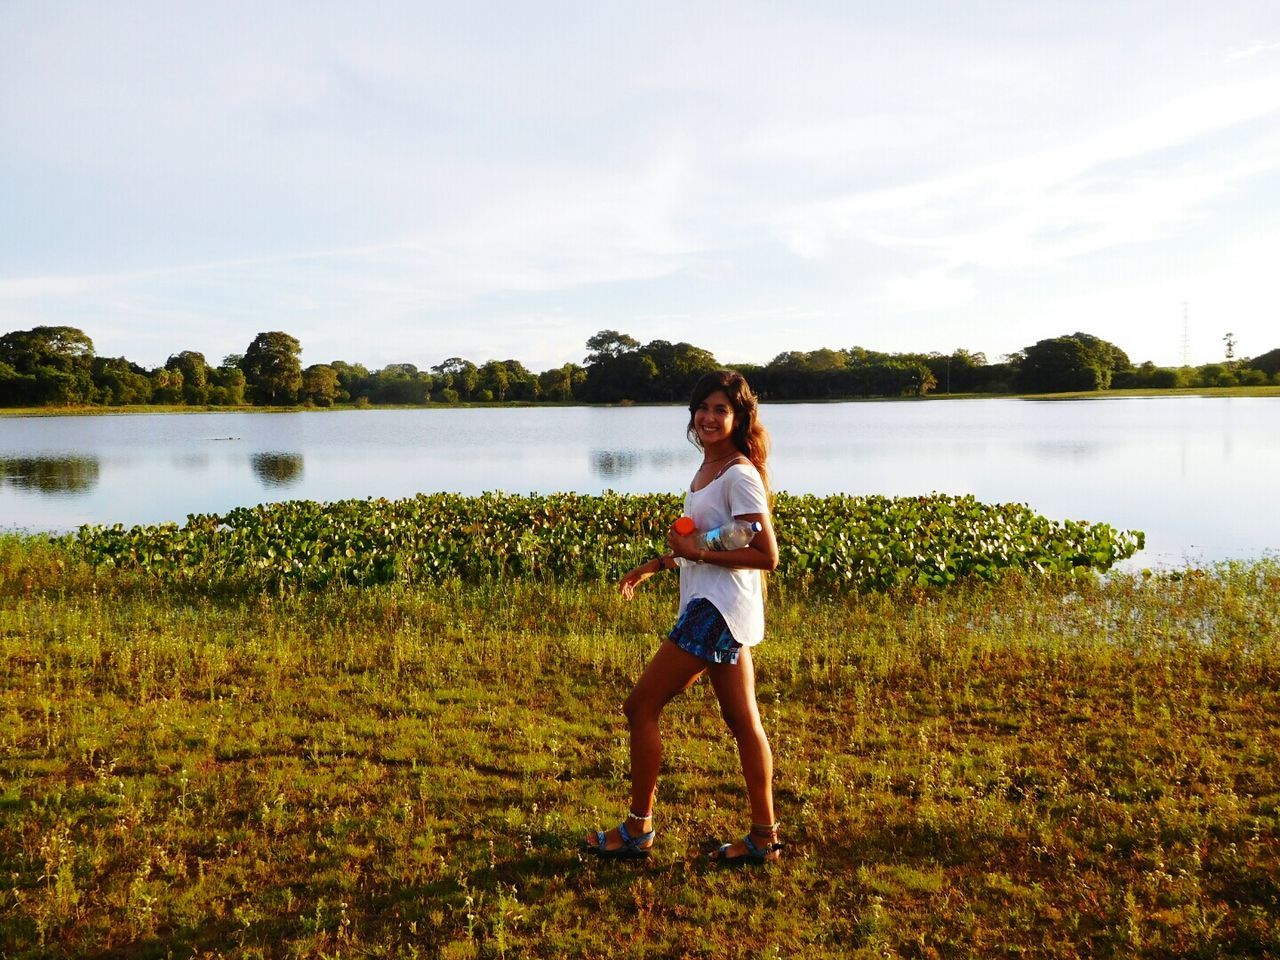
684, 526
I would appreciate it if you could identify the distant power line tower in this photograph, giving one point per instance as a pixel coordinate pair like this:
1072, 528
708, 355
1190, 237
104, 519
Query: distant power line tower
1186, 335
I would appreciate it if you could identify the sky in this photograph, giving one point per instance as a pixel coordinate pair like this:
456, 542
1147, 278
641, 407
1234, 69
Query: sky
408, 182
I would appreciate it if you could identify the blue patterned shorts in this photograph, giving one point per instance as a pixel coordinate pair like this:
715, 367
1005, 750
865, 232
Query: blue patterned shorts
702, 631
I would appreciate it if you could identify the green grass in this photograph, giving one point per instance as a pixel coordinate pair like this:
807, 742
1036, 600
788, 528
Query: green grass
1044, 767
1151, 392
98, 410
1266, 390
90, 409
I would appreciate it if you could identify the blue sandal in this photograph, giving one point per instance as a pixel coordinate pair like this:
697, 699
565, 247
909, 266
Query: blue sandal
632, 847
756, 854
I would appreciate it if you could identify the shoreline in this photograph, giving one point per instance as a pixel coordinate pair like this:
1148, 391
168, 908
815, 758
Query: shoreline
1128, 394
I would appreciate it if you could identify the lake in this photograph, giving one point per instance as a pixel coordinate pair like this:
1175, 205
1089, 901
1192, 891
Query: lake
1198, 475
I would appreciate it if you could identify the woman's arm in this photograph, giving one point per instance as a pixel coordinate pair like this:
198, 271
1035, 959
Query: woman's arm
640, 574
760, 554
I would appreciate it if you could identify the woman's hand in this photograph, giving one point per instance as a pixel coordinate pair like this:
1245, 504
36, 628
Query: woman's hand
760, 554
627, 586
635, 577
683, 546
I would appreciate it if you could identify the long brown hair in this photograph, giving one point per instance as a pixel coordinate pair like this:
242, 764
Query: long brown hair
749, 435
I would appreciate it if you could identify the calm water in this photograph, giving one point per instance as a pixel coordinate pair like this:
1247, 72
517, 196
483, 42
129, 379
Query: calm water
1197, 474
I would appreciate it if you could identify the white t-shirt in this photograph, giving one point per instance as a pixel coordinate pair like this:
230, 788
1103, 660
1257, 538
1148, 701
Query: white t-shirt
737, 594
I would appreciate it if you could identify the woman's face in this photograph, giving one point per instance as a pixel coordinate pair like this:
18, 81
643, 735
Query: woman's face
713, 419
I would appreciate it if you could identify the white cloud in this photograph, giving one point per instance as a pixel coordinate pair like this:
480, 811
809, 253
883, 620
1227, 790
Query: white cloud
766, 177
934, 288
1108, 189
1252, 51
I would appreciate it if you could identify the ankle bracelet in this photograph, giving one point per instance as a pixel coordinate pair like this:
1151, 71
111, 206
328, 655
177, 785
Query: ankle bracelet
632, 815
769, 828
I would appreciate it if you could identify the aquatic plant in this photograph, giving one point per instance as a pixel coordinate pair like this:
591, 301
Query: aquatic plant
832, 543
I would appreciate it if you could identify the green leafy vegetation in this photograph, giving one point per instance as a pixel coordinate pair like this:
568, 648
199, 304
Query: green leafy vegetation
1036, 766
1076, 362
836, 542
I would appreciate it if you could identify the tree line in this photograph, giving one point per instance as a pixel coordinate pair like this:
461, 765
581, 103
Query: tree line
58, 366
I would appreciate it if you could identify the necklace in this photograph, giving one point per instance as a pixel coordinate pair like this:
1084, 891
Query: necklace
707, 463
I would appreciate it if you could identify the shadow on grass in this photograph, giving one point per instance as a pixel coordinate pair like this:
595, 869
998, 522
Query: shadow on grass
207, 938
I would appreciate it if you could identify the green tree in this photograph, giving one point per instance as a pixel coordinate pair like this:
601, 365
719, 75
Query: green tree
320, 384
461, 376
166, 385
508, 380
495, 378
630, 377
554, 384
559, 383
118, 382
48, 364
824, 360
609, 345
1077, 361
799, 375
1166, 378
400, 383
16, 389
195, 376
959, 371
1248, 377
272, 368
1268, 363
1107, 356
617, 369
895, 376
523, 384
1215, 375
227, 382
1147, 375
679, 366
835, 374
353, 381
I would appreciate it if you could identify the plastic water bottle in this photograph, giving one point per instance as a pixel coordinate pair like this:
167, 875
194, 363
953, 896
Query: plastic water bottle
729, 536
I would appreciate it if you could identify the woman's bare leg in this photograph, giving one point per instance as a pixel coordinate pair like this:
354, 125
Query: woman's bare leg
671, 671
735, 688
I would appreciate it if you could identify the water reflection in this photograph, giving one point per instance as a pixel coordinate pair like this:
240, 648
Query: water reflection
1047, 450
277, 469
620, 464
52, 475
614, 464
194, 462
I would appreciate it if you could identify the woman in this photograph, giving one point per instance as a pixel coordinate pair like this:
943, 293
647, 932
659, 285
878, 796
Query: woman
721, 619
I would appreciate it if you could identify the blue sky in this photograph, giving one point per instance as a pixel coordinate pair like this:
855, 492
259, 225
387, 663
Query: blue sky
406, 182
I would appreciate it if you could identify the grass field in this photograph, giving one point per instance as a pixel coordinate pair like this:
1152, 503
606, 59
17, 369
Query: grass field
1151, 393
1037, 767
